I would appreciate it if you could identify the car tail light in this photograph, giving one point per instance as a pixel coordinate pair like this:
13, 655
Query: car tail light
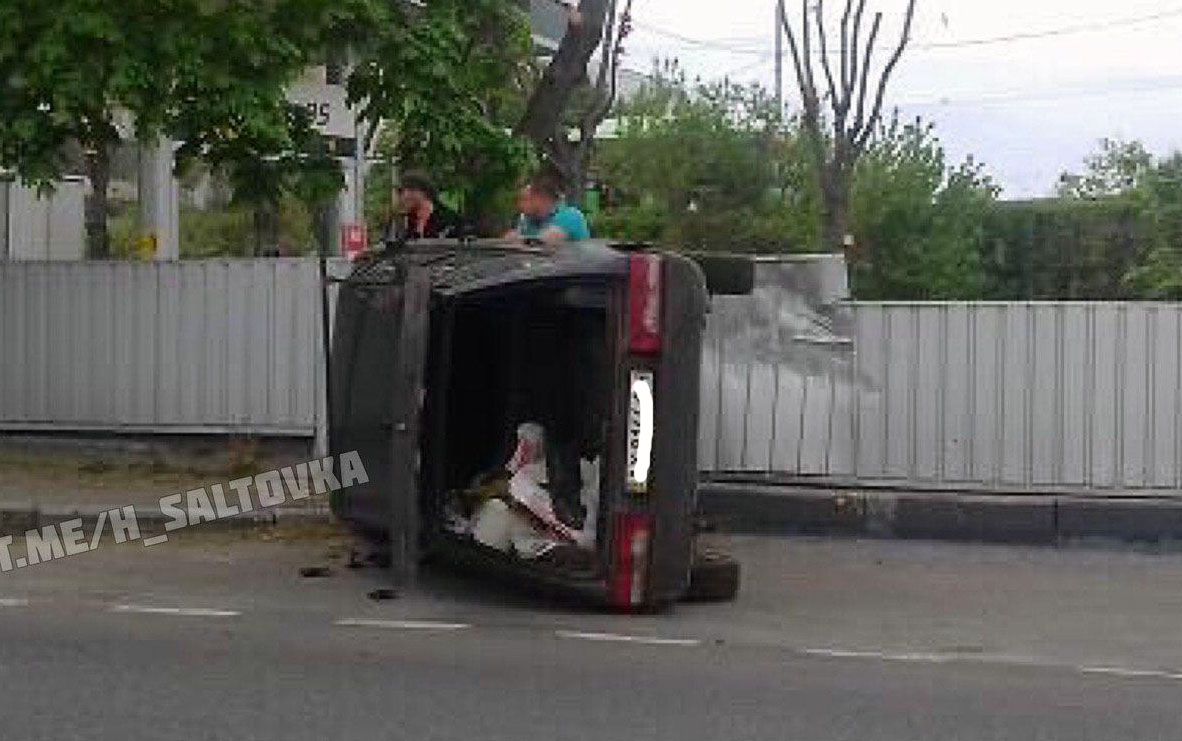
645, 304
629, 580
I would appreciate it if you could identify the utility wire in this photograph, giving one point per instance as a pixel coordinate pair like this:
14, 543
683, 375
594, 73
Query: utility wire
940, 45
1049, 33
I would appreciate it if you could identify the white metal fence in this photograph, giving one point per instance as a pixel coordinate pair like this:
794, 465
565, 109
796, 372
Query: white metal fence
212, 346
41, 226
995, 396
796, 382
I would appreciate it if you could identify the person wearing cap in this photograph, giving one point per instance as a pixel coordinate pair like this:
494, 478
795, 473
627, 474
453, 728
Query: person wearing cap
421, 216
545, 215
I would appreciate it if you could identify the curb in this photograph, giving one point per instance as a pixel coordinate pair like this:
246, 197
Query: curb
1034, 519
16, 521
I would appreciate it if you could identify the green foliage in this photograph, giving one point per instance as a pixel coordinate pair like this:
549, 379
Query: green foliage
1062, 249
209, 73
228, 105
918, 221
1118, 169
712, 166
226, 232
703, 166
448, 81
65, 67
1115, 232
447, 78
1159, 273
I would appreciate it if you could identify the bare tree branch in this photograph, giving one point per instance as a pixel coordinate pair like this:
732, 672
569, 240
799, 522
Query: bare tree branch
608, 47
566, 71
860, 117
619, 28
623, 30
825, 66
888, 71
845, 49
806, 94
855, 114
853, 49
807, 46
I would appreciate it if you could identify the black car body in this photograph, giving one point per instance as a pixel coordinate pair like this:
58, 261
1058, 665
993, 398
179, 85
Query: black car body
441, 349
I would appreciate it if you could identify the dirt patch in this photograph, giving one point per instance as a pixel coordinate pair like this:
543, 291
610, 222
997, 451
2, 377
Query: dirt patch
40, 474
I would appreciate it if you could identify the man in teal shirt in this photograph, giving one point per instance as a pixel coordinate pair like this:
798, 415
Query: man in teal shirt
546, 217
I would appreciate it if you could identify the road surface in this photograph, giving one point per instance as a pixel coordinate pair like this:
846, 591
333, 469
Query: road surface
219, 637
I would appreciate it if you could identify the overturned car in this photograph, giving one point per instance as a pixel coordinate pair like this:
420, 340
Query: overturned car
527, 411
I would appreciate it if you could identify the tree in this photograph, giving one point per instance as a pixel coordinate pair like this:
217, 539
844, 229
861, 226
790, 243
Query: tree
853, 112
68, 68
210, 73
548, 118
919, 221
706, 166
1119, 168
1159, 273
1122, 235
447, 82
229, 108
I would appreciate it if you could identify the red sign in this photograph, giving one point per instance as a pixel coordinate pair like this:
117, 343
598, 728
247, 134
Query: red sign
354, 240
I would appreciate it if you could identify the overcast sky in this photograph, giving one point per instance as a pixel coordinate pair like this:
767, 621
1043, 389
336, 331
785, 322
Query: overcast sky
1029, 108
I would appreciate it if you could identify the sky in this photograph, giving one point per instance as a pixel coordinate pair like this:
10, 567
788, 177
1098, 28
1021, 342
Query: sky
1028, 87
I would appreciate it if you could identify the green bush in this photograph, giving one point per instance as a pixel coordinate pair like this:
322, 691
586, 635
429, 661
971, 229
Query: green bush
225, 232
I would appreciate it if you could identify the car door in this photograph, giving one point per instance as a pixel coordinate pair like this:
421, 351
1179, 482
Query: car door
379, 350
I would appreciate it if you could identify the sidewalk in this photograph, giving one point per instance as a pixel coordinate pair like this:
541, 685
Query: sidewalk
1034, 519
37, 490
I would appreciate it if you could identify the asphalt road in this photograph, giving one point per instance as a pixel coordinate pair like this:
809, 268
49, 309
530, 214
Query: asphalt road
220, 638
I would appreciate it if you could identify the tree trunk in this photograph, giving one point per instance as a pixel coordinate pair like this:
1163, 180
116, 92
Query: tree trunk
835, 210
266, 229
567, 69
98, 169
544, 118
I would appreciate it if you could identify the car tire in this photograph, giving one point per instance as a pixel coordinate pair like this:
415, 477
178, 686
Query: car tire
714, 577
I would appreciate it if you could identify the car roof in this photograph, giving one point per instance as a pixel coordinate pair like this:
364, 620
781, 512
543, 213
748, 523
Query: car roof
457, 267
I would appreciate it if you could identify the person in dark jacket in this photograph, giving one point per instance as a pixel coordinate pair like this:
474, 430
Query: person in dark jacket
421, 216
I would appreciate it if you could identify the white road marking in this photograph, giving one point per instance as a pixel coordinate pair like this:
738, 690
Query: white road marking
400, 624
155, 540
182, 611
10, 602
618, 638
922, 658
994, 660
1115, 671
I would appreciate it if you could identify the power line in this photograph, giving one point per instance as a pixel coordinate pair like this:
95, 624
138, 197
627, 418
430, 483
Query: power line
941, 45
1064, 31
704, 43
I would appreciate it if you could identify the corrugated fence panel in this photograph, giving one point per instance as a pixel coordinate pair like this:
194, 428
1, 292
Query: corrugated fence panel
955, 400
1021, 396
1165, 408
213, 346
795, 382
1075, 395
869, 400
1104, 430
930, 402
